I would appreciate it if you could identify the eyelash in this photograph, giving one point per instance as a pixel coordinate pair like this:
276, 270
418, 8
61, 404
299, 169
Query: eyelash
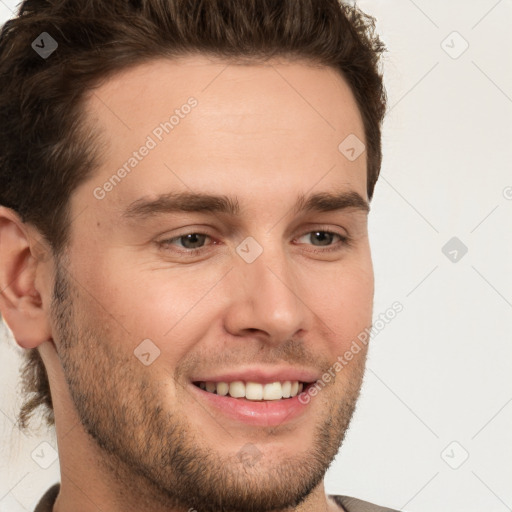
345, 241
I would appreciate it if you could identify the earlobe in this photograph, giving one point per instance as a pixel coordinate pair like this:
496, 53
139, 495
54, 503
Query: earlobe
22, 305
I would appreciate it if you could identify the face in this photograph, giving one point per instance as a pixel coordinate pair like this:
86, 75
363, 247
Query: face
207, 261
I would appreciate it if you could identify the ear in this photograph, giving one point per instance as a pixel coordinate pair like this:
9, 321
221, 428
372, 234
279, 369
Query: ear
24, 283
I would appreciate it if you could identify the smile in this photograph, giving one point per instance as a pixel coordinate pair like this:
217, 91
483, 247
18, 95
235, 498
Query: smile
254, 403
254, 390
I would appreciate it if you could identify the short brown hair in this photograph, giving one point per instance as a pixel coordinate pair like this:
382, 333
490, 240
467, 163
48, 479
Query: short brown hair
46, 147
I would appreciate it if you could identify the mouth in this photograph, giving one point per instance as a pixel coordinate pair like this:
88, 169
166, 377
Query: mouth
254, 404
255, 391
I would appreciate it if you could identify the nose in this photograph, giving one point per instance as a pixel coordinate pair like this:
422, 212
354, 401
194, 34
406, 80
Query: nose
268, 299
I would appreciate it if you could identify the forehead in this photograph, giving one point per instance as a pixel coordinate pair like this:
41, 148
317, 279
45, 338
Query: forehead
161, 82
278, 121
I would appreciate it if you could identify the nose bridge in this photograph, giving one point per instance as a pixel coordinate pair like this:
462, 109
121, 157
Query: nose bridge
267, 297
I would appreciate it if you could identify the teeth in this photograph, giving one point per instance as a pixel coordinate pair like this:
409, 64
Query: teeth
272, 391
286, 388
237, 389
254, 390
222, 388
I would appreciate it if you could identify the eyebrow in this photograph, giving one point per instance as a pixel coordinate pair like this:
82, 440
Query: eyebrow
208, 203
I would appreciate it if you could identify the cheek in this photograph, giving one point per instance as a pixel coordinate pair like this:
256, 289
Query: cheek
346, 288
345, 303
356, 296
348, 309
167, 307
175, 307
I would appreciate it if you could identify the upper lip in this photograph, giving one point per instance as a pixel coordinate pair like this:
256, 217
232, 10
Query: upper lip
261, 375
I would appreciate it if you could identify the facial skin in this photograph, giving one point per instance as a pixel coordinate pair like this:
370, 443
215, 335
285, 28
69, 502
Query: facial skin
133, 437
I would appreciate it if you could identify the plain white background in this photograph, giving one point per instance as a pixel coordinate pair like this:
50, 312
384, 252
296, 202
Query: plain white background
432, 430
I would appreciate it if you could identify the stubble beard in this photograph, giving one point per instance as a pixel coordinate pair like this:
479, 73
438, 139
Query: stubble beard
145, 444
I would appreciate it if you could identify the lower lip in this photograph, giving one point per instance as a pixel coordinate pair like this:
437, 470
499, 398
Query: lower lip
268, 413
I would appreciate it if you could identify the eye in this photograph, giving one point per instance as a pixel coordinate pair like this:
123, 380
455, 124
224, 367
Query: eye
191, 242
325, 239
195, 243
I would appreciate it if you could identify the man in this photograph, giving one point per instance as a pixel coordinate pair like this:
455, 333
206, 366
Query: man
184, 247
